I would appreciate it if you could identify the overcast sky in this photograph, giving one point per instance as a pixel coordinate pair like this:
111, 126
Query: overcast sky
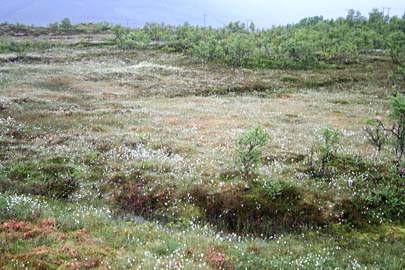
264, 13
287, 11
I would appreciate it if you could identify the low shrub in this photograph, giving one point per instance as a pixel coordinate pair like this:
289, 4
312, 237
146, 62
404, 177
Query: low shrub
372, 204
324, 152
249, 149
61, 188
357, 165
20, 48
376, 134
53, 178
261, 209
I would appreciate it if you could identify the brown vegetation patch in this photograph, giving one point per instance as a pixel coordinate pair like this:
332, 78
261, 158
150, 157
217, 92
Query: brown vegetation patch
82, 235
83, 264
173, 121
217, 259
212, 123
56, 83
13, 225
257, 209
28, 230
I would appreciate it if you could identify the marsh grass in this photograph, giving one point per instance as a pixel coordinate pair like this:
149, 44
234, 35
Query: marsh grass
151, 133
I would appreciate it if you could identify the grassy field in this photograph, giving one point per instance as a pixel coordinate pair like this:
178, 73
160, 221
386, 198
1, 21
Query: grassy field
113, 159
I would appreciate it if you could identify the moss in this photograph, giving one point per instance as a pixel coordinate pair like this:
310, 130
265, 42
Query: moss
258, 209
165, 247
52, 178
256, 88
373, 204
180, 214
229, 175
142, 197
355, 164
291, 79
57, 84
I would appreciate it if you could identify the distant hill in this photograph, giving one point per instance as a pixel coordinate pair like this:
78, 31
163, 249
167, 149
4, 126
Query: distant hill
264, 13
133, 13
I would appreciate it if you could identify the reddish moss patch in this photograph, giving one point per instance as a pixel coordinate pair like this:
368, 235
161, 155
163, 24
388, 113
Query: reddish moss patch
216, 258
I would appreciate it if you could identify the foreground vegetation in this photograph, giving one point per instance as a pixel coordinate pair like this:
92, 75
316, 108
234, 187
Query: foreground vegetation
178, 148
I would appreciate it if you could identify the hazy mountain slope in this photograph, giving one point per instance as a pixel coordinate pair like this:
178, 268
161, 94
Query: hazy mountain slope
219, 12
122, 11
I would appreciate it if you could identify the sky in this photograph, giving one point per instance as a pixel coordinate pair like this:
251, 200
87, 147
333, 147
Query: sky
288, 11
264, 13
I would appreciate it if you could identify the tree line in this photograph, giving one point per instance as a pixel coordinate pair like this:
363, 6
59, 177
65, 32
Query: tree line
313, 42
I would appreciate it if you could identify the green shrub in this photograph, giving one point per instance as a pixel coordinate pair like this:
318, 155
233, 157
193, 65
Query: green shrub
19, 171
374, 204
103, 26
249, 149
396, 43
65, 24
20, 48
384, 202
62, 188
401, 71
325, 150
208, 50
397, 114
274, 189
5, 46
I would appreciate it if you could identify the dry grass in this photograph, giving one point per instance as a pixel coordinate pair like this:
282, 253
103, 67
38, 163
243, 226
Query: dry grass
114, 97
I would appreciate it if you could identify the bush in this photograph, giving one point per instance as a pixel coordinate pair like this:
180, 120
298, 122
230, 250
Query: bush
373, 205
249, 149
384, 202
62, 188
103, 26
208, 50
376, 134
65, 24
20, 48
128, 40
397, 114
401, 71
396, 45
379, 134
326, 150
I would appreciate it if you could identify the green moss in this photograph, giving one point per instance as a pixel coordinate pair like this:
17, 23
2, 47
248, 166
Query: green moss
53, 178
258, 208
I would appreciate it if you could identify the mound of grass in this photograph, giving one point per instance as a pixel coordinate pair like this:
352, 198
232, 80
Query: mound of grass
53, 178
259, 208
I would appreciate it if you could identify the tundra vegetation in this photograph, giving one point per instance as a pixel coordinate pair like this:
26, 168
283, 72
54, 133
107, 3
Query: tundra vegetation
191, 147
